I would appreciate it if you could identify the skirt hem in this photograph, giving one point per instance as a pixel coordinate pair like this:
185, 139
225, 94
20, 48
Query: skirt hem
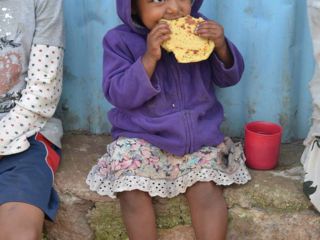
163, 188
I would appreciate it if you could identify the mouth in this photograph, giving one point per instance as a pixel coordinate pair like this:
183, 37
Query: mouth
175, 17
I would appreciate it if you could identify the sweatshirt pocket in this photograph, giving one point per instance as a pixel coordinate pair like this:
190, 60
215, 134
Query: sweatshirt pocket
166, 101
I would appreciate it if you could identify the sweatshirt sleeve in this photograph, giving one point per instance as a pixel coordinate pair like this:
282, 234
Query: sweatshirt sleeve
225, 77
38, 101
126, 84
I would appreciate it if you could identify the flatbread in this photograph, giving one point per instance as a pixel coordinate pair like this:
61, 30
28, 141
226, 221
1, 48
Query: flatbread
184, 43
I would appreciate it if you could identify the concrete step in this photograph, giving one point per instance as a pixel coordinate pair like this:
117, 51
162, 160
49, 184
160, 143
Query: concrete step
271, 206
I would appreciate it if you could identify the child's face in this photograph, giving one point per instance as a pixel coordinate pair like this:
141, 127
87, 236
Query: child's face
152, 11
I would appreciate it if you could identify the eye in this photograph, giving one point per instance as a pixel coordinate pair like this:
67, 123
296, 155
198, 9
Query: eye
158, 1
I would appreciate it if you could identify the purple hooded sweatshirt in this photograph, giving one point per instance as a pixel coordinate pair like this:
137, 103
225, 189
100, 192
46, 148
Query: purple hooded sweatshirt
177, 109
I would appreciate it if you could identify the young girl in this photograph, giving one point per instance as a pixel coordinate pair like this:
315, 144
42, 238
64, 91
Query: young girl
166, 121
31, 54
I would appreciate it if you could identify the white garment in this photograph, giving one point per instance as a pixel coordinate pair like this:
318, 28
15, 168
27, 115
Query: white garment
311, 155
311, 163
314, 18
31, 52
38, 102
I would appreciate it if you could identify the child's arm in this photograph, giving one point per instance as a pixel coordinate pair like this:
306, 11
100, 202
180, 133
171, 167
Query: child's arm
126, 80
126, 84
38, 102
40, 97
159, 34
227, 61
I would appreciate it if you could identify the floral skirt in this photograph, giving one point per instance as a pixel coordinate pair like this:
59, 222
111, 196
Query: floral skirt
134, 164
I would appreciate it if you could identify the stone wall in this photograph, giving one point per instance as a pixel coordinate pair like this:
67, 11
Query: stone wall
271, 206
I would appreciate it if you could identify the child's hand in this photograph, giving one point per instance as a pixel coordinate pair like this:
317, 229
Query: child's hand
213, 31
160, 33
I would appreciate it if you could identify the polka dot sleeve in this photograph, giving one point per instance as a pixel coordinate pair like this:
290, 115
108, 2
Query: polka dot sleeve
38, 102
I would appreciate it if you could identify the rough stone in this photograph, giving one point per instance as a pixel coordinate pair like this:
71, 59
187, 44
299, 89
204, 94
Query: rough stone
271, 206
255, 223
71, 222
177, 233
105, 221
268, 191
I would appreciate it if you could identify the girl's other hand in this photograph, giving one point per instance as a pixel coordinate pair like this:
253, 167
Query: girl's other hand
213, 31
160, 33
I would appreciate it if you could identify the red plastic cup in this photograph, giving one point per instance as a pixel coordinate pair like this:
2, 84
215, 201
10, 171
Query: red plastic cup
262, 144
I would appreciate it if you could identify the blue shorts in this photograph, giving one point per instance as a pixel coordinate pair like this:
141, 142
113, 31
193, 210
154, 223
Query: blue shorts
28, 176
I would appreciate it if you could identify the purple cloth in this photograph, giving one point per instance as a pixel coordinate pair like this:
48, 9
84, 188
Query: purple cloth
177, 109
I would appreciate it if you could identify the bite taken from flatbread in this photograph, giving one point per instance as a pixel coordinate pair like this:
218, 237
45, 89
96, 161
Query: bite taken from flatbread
184, 43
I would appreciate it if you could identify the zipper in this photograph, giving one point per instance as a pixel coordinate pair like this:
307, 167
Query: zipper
177, 81
191, 133
186, 114
188, 131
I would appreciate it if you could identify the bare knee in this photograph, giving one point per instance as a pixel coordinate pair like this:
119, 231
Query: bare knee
18, 234
206, 194
20, 221
27, 230
134, 200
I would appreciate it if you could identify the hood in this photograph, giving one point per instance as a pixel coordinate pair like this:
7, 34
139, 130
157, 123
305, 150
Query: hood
124, 12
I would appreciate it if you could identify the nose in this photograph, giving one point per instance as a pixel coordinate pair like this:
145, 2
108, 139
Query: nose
173, 7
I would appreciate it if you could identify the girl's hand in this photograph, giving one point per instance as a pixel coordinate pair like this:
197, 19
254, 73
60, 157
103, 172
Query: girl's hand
215, 32
160, 33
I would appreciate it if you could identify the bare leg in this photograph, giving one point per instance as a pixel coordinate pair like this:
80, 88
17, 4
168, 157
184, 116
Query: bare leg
208, 211
20, 221
138, 215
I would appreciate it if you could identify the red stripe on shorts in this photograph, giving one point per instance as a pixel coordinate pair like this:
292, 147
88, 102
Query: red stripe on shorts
52, 158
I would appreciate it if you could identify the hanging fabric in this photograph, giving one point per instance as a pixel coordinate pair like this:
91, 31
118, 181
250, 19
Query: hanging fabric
311, 156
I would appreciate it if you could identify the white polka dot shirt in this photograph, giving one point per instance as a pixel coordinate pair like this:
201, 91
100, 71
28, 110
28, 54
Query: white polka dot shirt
38, 101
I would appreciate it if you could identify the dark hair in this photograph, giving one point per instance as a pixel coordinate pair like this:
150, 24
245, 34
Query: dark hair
135, 13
